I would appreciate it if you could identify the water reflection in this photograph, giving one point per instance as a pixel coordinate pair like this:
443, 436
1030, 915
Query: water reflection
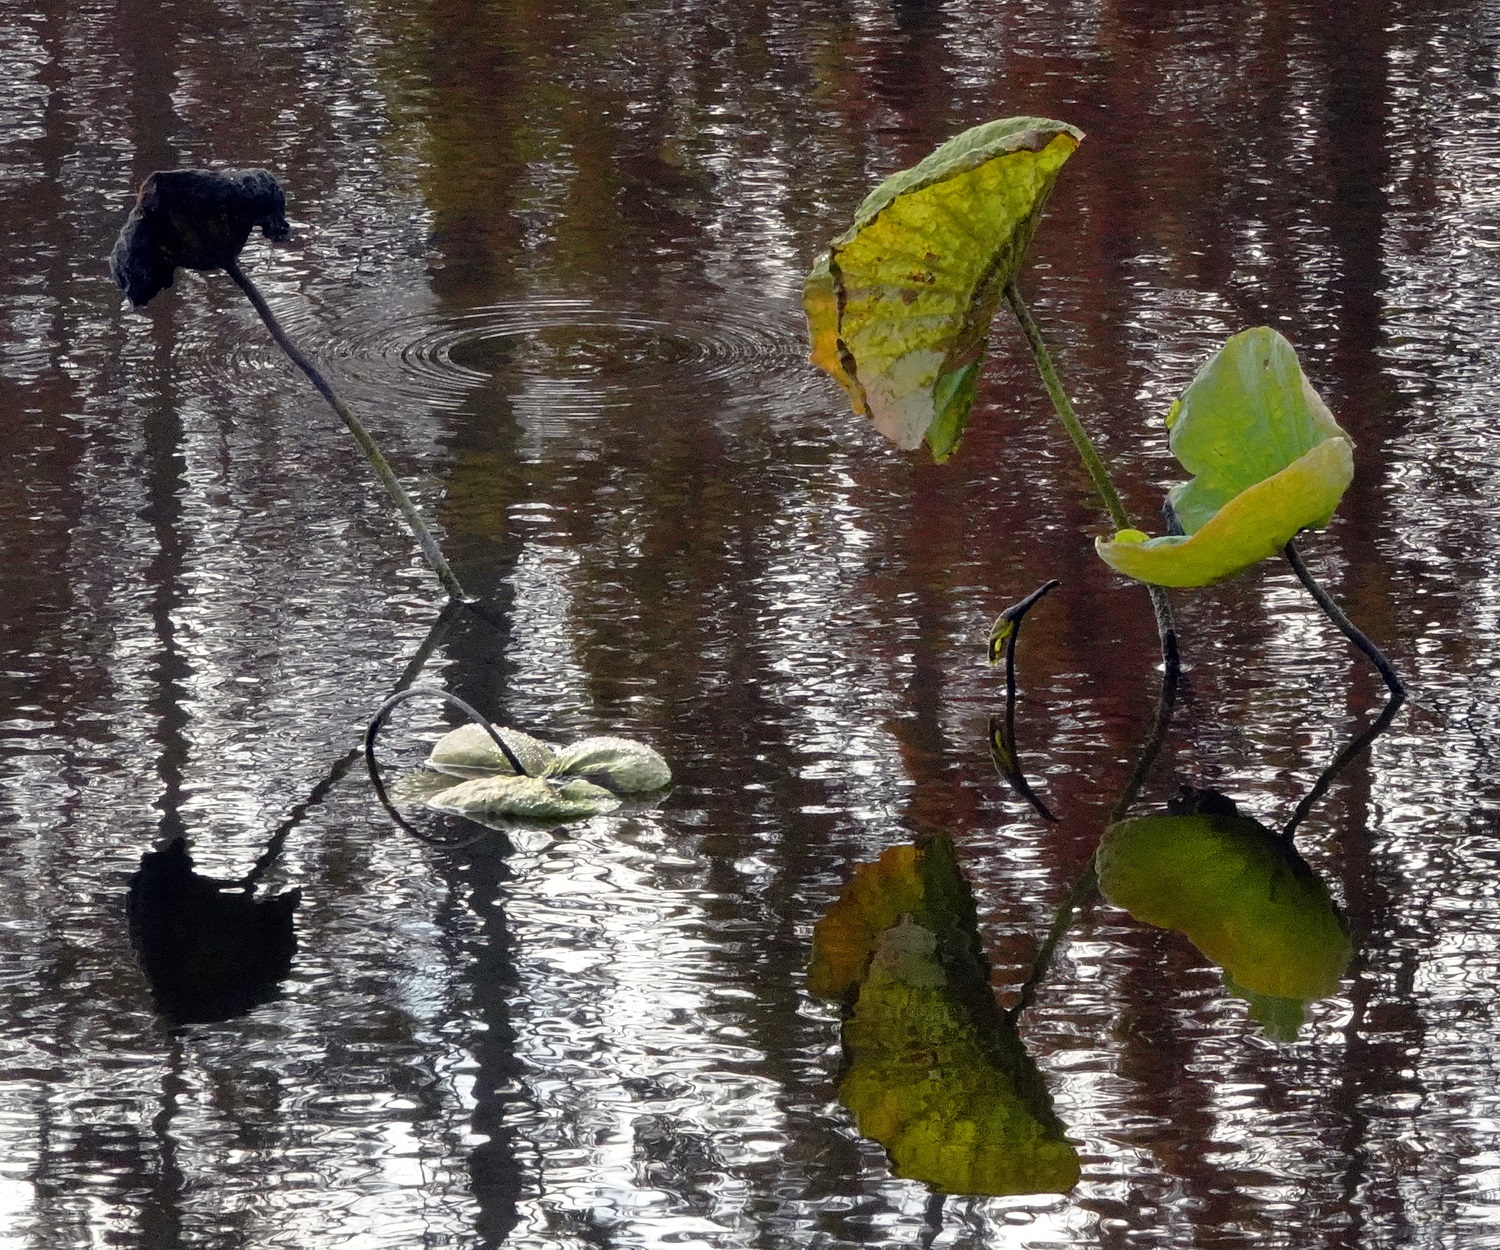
933, 1071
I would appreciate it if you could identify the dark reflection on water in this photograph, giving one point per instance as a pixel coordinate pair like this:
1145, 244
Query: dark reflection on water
554, 257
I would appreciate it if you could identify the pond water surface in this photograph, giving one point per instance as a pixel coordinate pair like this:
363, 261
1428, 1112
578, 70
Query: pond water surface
553, 254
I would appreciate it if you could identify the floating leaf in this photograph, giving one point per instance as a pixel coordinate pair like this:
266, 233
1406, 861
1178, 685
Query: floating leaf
899, 307
1240, 894
936, 1074
1269, 460
525, 798
619, 764
469, 751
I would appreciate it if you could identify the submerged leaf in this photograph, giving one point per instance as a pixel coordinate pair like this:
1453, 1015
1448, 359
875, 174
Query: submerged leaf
936, 1074
619, 764
525, 798
1240, 894
1269, 460
469, 751
899, 307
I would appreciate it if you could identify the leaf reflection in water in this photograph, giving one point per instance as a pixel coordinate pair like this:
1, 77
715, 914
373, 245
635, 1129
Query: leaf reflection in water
934, 1072
1240, 894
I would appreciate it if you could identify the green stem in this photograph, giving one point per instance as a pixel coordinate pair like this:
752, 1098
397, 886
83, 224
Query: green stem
378, 462
1085, 446
1161, 606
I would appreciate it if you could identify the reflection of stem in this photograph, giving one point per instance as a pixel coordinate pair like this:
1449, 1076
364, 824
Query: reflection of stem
378, 462
1342, 760
1082, 891
1003, 734
1336, 615
1162, 606
1165, 702
1088, 881
341, 766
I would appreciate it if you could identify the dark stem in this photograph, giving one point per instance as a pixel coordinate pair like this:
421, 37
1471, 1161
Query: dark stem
372, 733
378, 462
1336, 615
1003, 730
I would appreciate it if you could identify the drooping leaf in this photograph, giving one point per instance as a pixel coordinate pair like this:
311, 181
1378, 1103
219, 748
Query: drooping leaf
525, 798
1240, 894
899, 307
935, 1073
1268, 461
618, 764
469, 751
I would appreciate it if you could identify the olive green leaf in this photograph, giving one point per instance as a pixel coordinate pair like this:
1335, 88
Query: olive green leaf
935, 1073
899, 307
1268, 461
1241, 895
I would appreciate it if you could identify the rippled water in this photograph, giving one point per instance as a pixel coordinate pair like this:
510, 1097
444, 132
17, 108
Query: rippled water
553, 255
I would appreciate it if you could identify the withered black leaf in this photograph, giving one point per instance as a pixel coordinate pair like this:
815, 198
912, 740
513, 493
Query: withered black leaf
193, 219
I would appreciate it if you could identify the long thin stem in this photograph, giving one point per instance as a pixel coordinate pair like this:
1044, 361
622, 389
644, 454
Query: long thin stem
378, 462
1335, 614
1161, 606
1103, 483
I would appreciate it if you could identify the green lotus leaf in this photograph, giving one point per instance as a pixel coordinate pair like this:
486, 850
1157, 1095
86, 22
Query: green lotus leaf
524, 798
618, 764
935, 1073
1241, 895
1268, 461
899, 307
469, 751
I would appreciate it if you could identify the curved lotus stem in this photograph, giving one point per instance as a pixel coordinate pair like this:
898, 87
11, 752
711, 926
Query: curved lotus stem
378, 462
1335, 614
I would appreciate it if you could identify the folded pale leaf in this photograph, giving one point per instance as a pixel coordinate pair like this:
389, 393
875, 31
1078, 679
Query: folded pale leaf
618, 764
470, 752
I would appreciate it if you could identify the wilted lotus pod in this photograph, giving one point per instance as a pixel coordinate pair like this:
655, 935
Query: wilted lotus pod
193, 219
470, 752
623, 766
525, 798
